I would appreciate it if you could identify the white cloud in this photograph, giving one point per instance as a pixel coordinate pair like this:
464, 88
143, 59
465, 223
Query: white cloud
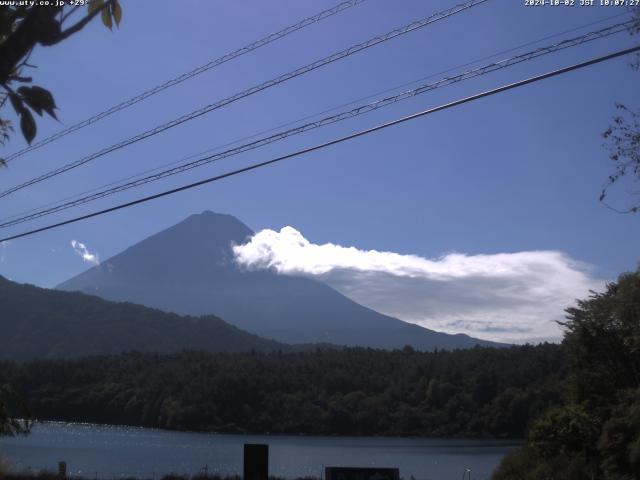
512, 297
82, 250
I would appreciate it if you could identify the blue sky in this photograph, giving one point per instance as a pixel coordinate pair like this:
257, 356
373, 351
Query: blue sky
518, 172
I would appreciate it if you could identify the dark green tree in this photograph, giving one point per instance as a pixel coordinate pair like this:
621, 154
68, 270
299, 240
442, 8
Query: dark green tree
596, 432
25, 27
603, 338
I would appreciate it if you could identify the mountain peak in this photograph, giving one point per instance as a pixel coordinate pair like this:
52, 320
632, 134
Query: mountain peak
203, 231
190, 252
210, 215
190, 269
222, 221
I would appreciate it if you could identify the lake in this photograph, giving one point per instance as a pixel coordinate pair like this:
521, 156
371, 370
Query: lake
102, 451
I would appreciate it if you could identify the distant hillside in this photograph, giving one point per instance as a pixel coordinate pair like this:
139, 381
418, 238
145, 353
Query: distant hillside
41, 323
189, 269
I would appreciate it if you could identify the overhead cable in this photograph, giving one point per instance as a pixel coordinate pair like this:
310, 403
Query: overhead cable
351, 113
188, 75
352, 136
250, 91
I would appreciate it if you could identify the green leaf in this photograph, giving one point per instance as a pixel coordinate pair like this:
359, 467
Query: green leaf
28, 126
39, 99
116, 11
106, 18
16, 101
35, 106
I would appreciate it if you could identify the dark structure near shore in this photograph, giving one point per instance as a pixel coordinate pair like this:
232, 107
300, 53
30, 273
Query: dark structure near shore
256, 461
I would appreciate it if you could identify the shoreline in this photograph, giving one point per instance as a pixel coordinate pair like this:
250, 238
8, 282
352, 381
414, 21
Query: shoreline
514, 441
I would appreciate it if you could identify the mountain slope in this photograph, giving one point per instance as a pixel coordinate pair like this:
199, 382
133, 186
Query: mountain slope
41, 323
189, 269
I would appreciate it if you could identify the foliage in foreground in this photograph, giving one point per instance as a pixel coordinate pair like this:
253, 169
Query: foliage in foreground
623, 139
25, 26
596, 432
476, 392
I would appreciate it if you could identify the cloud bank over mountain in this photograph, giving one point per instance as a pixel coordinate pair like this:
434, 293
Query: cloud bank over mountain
512, 297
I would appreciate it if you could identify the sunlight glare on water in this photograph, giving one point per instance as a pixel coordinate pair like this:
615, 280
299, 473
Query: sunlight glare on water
101, 451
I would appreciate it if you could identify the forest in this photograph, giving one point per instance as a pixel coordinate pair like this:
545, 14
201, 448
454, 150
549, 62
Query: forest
478, 392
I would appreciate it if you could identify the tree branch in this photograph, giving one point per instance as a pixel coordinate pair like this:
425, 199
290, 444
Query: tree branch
38, 26
82, 23
69, 13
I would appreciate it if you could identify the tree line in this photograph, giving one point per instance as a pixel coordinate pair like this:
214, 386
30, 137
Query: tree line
479, 392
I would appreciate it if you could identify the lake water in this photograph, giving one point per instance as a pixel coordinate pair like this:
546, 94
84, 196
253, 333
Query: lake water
101, 451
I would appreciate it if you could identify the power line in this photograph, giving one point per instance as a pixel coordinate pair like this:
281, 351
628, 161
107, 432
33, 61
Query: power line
335, 141
307, 117
186, 76
314, 115
255, 89
360, 110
